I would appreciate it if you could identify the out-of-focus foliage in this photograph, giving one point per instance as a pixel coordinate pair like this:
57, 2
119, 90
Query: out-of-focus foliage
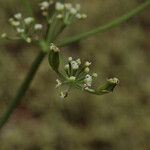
118, 121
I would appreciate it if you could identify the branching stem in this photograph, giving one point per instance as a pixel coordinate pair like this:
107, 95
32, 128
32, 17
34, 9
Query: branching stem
32, 72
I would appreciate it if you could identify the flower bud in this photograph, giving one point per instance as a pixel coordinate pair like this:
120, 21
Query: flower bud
53, 57
70, 59
38, 26
28, 20
72, 78
28, 39
94, 75
87, 69
108, 86
59, 6
3, 35
87, 64
18, 16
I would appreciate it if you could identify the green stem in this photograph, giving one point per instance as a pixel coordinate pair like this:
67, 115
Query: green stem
23, 88
106, 27
26, 83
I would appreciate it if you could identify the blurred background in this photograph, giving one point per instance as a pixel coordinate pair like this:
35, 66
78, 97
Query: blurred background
117, 121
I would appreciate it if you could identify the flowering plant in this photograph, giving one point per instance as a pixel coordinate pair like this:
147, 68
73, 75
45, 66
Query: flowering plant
77, 74
64, 14
59, 15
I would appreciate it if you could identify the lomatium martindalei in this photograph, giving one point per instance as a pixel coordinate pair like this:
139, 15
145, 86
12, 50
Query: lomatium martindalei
58, 16
26, 28
76, 74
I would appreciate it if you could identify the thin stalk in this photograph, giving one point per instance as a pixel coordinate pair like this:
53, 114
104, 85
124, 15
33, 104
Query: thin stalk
23, 88
106, 27
26, 83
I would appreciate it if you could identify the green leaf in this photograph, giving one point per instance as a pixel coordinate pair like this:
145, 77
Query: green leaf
53, 58
107, 87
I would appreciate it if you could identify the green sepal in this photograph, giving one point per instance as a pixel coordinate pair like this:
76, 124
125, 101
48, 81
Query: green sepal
107, 87
104, 89
53, 59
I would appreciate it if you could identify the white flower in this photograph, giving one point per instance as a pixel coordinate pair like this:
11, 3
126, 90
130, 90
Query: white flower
13, 22
78, 16
38, 26
62, 95
28, 39
87, 69
84, 16
58, 83
87, 64
3, 35
68, 6
67, 66
72, 78
18, 16
88, 80
59, 16
74, 65
78, 61
44, 5
70, 59
28, 20
113, 80
94, 75
59, 6
54, 48
73, 11
19, 30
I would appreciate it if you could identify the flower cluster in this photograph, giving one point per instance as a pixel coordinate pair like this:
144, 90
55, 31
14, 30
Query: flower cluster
58, 16
26, 28
77, 74
63, 11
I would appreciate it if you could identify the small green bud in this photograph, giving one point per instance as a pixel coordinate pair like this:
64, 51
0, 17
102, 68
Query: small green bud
87, 69
3, 35
53, 57
108, 86
72, 78
28, 39
87, 64
94, 75
70, 59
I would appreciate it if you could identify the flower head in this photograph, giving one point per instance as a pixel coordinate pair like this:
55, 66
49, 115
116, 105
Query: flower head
18, 16
44, 5
3, 35
59, 6
29, 20
77, 74
38, 26
26, 28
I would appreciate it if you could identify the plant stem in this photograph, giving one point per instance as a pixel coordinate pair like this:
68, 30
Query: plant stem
106, 27
26, 83
23, 88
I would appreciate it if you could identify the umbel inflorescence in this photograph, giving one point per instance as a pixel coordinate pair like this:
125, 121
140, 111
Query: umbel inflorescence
76, 74
65, 12
57, 16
